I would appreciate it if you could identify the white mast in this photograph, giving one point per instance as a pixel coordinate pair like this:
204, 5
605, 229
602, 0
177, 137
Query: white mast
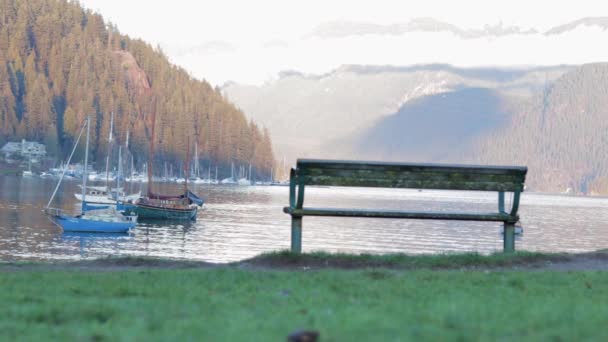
64, 168
86, 161
196, 159
109, 151
119, 173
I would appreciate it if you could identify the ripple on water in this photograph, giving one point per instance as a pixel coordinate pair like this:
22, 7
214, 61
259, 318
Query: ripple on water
241, 222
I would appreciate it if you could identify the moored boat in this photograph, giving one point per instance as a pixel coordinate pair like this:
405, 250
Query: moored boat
100, 195
109, 221
183, 207
166, 207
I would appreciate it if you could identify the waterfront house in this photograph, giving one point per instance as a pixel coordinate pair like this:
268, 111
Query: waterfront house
27, 149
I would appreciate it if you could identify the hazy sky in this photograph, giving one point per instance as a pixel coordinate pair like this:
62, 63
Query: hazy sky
250, 41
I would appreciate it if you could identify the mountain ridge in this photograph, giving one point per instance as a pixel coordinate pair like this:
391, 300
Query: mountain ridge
379, 112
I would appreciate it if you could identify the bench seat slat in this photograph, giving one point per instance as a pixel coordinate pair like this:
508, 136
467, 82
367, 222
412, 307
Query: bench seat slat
413, 167
399, 182
341, 212
413, 175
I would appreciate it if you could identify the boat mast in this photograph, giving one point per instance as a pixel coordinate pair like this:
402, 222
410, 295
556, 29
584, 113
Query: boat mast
187, 166
151, 156
64, 168
131, 166
86, 161
196, 158
108, 154
119, 173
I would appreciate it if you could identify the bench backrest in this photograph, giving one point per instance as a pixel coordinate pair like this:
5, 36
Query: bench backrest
409, 175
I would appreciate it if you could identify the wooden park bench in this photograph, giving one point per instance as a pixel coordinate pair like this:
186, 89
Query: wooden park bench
405, 175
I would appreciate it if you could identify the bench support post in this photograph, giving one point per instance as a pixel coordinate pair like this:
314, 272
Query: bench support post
501, 202
296, 234
509, 238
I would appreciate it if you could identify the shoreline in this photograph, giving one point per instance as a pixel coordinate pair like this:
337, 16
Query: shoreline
287, 261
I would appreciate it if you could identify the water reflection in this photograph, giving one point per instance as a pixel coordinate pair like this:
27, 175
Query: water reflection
240, 222
88, 243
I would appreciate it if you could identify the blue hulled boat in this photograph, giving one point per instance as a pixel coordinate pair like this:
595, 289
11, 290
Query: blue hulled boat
110, 223
97, 219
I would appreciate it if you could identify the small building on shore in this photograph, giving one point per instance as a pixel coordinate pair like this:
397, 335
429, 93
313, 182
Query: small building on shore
26, 149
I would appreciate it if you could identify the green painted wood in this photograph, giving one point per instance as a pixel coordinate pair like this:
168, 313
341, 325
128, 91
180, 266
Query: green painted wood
404, 175
405, 183
296, 234
343, 212
301, 187
509, 238
445, 174
374, 165
515, 206
501, 202
417, 176
292, 188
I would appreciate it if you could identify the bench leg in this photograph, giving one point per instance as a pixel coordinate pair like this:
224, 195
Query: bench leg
296, 234
509, 238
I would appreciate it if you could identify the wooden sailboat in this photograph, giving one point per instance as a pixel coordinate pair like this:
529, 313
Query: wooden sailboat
182, 206
90, 219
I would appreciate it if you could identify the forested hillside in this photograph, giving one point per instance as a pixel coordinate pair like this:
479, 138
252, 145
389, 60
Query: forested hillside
60, 62
561, 134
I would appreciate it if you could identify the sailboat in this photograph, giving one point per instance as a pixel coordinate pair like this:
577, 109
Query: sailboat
106, 194
90, 219
196, 179
167, 207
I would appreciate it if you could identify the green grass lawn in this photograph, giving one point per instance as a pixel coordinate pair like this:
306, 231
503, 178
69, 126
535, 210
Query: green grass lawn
239, 304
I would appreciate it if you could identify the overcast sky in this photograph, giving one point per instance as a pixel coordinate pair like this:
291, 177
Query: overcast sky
251, 41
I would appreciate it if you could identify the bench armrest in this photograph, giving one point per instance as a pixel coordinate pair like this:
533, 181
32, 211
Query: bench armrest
292, 188
296, 190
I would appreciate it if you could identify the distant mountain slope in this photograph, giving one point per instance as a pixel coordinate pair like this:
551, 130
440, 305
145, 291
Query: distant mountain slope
553, 120
437, 127
306, 113
60, 62
561, 134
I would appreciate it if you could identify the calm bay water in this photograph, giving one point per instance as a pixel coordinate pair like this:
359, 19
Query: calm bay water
241, 222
